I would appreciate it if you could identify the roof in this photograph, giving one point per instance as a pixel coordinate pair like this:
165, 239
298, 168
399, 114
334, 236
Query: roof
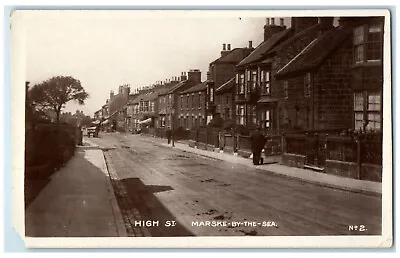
173, 87
264, 47
290, 40
233, 56
148, 96
226, 86
316, 52
198, 87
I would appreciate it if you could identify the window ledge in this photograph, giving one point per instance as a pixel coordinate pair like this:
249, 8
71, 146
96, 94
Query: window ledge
367, 64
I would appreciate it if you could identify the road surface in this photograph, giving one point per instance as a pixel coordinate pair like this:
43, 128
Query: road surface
162, 191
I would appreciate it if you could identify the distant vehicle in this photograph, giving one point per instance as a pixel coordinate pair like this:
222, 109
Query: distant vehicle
93, 130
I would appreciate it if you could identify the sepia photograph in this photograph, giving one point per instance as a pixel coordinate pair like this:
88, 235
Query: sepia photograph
198, 128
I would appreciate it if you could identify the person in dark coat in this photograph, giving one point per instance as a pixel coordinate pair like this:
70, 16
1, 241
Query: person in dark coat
257, 145
169, 135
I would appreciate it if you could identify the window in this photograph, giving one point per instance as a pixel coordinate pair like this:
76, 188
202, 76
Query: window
265, 119
211, 94
193, 103
307, 85
199, 100
286, 89
187, 101
367, 111
265, 78
358, 44
181, 102
368, 43
253, 114
240, 84
227, 99
152, 106
253, 80
240, 114
162, 121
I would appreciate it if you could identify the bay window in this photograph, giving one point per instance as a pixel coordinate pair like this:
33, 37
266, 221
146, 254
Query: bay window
240, 112
240, 83
265, 78
266, 119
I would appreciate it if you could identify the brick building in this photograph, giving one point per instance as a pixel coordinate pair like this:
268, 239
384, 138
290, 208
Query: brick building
220, 72
168, 100
191, 107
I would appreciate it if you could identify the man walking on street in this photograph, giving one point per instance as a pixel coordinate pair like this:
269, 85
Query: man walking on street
169, 134
257, 145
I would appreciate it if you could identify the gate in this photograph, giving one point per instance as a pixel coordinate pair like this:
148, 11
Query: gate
315, 150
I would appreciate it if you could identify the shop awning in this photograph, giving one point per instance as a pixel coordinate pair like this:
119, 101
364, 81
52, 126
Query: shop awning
146, 121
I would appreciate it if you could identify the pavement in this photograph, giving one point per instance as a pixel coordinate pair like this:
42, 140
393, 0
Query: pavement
272, 165
78, 201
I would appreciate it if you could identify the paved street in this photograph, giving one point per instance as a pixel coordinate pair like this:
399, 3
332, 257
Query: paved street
165, 185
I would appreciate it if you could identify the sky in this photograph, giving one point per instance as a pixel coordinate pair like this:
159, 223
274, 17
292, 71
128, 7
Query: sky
106, 49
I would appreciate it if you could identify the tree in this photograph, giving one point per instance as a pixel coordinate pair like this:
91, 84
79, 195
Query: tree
55, 92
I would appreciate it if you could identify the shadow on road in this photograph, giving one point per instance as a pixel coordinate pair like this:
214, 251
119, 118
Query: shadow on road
150, 208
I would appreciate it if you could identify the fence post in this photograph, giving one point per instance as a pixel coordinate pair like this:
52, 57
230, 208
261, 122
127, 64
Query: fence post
358, 142
316, 149
283, 145
206, 138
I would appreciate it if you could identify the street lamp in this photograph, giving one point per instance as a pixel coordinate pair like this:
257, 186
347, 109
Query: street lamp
172, 127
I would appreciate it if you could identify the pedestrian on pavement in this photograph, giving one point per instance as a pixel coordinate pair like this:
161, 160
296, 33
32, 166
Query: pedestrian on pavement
257, 145
169, 134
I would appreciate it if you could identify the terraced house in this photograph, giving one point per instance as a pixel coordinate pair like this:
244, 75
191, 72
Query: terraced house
220, 82
335, 86
192, 107
258, 95
168, 100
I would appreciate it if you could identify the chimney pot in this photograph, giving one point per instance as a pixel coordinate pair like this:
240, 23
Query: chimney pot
224, 47
267, 21
250, 44
281, 22
229, 47
272, 21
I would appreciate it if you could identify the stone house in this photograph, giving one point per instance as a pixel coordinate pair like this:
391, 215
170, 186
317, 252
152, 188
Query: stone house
334, 85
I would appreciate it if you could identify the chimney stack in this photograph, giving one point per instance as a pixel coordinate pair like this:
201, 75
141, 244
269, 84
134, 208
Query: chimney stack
183, 76
271, 29
267, 21
229, 47
325, 23
301, 23
250, 44
194, 75
111, 95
